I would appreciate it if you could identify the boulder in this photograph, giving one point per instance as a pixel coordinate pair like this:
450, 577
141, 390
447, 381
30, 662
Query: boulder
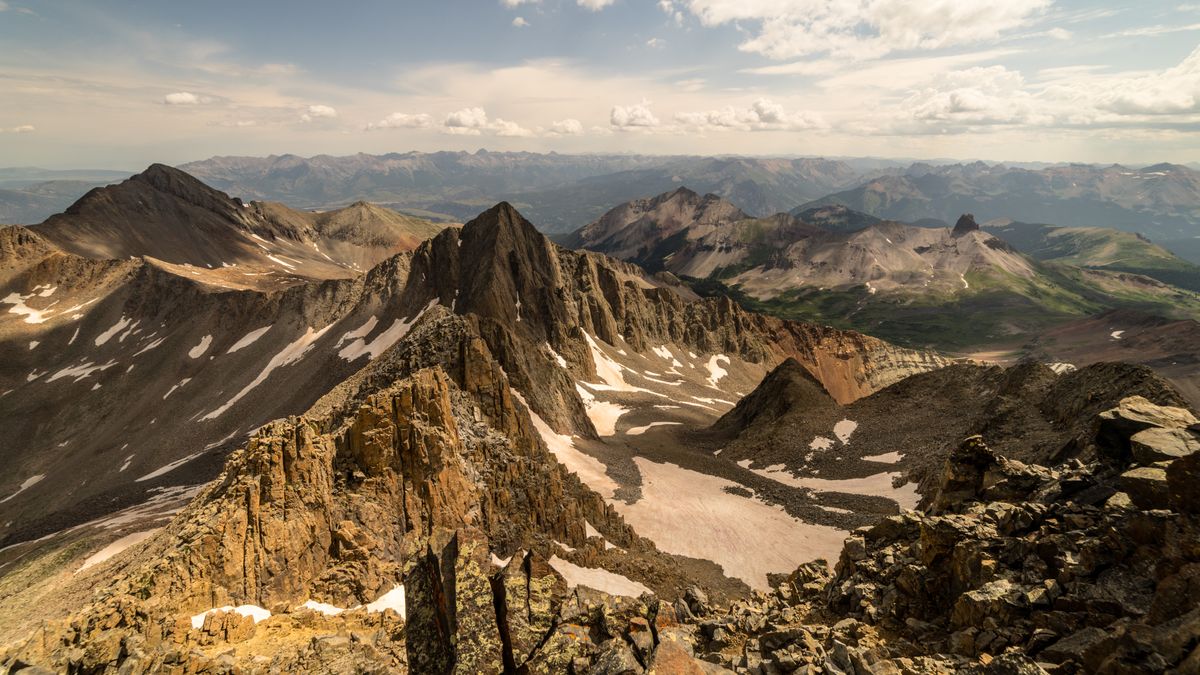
1183, 484
1159, 444
1147, 487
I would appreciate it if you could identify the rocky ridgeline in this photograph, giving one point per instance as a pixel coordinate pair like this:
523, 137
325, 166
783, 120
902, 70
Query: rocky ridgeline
1013, 567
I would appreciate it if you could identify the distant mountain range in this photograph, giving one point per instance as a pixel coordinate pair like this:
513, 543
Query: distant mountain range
563, 192
963, 289
1161, 201
31, 194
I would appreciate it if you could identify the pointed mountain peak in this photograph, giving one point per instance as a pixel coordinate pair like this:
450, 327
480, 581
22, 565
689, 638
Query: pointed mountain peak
790, 386
170, 179
966, 223
502, 217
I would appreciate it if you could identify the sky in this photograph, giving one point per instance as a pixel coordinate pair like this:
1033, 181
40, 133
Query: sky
121, 84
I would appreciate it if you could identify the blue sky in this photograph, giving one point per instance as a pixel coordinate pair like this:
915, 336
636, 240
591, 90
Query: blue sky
121, 84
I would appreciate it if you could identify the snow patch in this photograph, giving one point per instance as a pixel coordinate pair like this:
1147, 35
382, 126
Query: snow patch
169, 467
116, 328
844, 429
638, 431
288, 355
29, 482
198, 351
599, 579
393, 599
715, 371
248, 339
254, 611
116, 547
384, 340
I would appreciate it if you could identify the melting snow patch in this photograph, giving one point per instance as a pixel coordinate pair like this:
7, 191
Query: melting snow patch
29, 482
148, 347
638, 431
19, 307
176, 386
33, 344
81, 371
604, 416
568, 549
116, 547
1062, 368
169, 467
562, 363
715, 371
73, 336
885, 458
746, 537
116, 328
124, 466
198, 351
877, 485
589, 469
500, 562
254, 611
963, 279
393, 599
843, 430
323, 608
248, 339
384, 340
599, 579
1116, 334
289, 354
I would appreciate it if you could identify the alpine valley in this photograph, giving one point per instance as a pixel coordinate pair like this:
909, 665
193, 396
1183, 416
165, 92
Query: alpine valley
783, 425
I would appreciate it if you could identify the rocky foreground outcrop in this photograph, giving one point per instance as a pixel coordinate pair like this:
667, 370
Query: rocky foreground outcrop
1013, 568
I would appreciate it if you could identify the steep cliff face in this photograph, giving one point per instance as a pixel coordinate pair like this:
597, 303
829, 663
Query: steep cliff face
341, 507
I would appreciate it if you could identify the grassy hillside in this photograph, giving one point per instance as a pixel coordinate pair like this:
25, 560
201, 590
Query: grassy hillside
1102, 249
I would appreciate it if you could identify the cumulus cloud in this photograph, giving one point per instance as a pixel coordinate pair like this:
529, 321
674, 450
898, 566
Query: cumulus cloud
782, 29
186, 98
519, 22
669, 8
398, 120
633, 116
1174, 91
475, 121
315, 112
595, 5
762, 115
567, 127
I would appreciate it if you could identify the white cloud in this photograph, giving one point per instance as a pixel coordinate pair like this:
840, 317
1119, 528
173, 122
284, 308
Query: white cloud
468, 119
474, 122
567, 127
398, 120
1174, 91
318, 112
595, 5
1148, 31
519, 22
633, 116
762, 115
668, 7
691, 85
185, 98
512, 4
22, 129
862, 29
656, 43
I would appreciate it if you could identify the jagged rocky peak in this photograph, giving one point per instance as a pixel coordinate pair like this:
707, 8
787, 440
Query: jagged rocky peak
966, 223
790, 386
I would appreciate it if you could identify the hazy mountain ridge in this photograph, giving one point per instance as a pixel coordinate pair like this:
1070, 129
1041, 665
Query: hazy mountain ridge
1161, 200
